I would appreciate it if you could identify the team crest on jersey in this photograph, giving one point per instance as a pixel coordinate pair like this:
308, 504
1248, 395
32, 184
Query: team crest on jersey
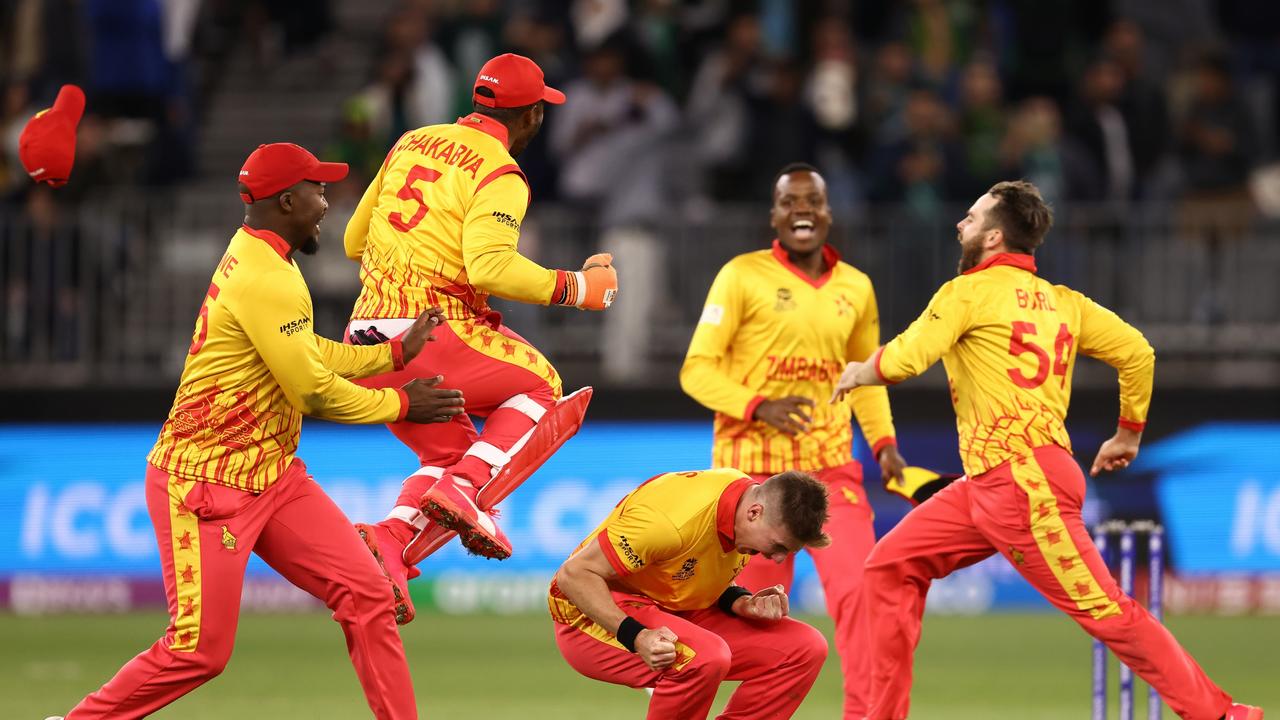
686, 570
785, 302
228, 540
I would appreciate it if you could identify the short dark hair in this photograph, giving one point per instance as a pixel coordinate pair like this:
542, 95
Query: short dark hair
1021, 214
801, 501
793, 167
502, 115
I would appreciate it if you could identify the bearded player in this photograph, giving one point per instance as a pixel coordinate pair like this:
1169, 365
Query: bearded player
776, 330
1009, 340
439, 225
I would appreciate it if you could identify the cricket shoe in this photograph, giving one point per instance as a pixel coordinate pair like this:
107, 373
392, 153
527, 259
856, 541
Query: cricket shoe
1243, 712
393, 568
451, 504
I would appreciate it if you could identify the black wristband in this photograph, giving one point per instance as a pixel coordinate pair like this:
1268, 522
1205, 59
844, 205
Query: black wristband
731, 593
627, 632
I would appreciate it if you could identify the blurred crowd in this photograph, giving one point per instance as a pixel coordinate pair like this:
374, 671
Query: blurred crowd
916, 102
675, 108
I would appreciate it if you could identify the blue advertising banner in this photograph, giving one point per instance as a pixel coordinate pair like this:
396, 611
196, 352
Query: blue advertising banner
72, 496
1219, 492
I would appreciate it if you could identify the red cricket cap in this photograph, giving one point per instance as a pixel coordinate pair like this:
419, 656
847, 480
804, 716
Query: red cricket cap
47, 145
278, 166
513, 81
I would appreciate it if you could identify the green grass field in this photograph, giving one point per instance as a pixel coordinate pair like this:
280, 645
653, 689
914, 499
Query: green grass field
295, 666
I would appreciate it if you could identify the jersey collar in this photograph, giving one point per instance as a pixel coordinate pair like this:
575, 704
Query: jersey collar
727, 510
829, 255
1018, 260
487, 125
276, 242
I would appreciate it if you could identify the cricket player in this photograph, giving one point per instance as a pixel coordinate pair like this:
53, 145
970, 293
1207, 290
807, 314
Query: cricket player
1009, 341
439, 226
223, 481
777, 328
648, 599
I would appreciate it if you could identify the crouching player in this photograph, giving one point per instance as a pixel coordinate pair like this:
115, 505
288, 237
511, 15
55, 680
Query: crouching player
648, 600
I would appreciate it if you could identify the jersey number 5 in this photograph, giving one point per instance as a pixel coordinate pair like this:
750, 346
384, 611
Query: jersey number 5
1019, 344
409, 192
202, 321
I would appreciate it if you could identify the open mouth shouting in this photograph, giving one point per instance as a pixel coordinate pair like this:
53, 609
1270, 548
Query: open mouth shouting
802, 229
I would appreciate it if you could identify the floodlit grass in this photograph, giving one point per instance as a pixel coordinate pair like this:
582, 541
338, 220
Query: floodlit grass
295, 666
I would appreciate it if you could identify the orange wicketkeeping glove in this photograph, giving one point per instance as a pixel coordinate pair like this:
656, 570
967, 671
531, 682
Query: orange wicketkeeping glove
591, 288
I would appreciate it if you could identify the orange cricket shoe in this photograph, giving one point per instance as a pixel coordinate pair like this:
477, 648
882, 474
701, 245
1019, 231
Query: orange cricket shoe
1243, 712
397, 573
451, 504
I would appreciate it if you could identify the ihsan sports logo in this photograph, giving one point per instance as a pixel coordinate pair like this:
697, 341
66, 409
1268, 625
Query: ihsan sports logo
506, 219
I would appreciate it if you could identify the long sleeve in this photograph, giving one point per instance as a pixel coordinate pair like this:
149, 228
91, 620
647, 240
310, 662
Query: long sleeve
490, 233
930, 337
268, 312
356, 236
358, 361
1103, 335
870, 404
703, 376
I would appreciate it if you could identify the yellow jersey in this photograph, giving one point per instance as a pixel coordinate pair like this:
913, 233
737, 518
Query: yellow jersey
670, 540
1008, 340
439, 225
255, 367
768, 330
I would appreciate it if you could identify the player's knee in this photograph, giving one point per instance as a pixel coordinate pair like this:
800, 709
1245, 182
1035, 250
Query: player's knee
879, 571
361, 598
1115, 626
712, 658
207, 662
808, 646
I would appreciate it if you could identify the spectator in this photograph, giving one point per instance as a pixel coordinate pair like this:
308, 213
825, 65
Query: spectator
1142, 102
1216, 144
724, 86
1216, 138
782, 129
612, 122
1101, 129
832, 96
1034, 149
925, 166
982, 123
887, 90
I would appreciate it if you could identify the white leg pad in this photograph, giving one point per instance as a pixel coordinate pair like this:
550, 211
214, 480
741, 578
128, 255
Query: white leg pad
411, 515
489, 453
526, 405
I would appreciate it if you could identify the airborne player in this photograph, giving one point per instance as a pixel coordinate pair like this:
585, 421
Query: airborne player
439, 225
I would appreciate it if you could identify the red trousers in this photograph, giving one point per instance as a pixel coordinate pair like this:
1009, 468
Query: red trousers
205, 533
839, 566
1028, 510
502, 378
777, 662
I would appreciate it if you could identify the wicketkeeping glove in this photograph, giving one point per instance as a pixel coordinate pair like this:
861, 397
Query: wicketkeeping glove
370, 336
591, 288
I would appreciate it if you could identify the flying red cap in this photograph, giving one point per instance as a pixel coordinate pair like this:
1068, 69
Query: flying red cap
513, 81
275, 167
47, 145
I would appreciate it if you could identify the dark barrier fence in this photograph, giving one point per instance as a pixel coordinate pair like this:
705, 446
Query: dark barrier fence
107, 294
